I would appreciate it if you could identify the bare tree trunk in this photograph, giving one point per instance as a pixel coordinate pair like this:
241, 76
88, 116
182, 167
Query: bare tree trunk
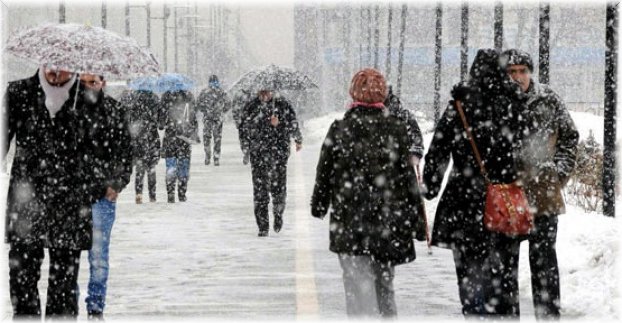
400, 62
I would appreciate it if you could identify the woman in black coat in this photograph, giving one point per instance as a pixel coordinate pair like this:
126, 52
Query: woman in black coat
364, 173
143, 107
178, 119
490, 107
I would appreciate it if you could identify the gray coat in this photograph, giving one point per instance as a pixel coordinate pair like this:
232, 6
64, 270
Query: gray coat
549, 148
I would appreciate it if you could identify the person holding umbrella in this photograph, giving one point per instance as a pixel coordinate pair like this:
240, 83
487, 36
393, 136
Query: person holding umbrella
47, 205
266, 128
108, 135
54, 180
178, 120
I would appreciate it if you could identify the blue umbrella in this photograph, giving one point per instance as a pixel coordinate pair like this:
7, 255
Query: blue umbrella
174, 82
164, 83
147, 83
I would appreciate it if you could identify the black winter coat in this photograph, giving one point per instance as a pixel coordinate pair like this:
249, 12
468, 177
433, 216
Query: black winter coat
52, 184
143, 107
179, 122
394, 105
109, 141
213, 103
364, 173
257, 134
491, 110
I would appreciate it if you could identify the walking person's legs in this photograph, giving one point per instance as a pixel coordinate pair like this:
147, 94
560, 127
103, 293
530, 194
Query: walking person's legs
171, 178
151, 180
473, 278
103, 220
278, 190
183, 174
217, 141
62, 295
261, 199
544, 268
504, 273
139, 179
24, 274
208, 126
385, 292
359, 281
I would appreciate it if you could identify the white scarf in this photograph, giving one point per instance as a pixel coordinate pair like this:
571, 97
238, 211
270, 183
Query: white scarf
55, 96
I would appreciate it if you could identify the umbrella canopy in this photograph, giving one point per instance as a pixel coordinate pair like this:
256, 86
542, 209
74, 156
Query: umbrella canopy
146, 83
173, 82
82, 49
275, 78
163, 83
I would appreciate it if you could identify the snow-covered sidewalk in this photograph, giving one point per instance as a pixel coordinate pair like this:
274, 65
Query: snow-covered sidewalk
202, 258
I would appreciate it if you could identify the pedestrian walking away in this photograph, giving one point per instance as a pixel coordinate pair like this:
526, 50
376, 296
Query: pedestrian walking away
178, 120
490, 103
143, 110
213, 103
267, 126
109, 135
364, 175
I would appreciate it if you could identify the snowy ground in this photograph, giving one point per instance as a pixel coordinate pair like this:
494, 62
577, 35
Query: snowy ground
203, 259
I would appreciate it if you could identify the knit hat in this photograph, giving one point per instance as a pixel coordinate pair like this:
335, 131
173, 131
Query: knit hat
369, 86
517, 57
213, 81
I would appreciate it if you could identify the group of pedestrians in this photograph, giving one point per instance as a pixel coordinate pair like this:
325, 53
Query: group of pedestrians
76, 146
365, 178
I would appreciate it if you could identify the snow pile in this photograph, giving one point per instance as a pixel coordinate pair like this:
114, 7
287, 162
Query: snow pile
314, 130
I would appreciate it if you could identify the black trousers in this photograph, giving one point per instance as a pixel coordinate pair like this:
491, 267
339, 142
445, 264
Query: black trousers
473, 274
269, 179
211, 129
24, 274
504, 254
544, 268
145, 165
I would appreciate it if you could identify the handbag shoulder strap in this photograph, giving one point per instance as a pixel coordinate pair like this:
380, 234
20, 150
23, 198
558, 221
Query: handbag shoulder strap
471, 140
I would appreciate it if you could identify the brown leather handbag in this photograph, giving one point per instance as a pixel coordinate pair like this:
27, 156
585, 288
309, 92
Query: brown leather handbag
507, 209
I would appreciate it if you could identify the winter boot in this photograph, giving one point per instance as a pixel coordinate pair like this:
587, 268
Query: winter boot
171, 198
278, 223
216, 162
207, 160
152, 199
263, 233
139, 199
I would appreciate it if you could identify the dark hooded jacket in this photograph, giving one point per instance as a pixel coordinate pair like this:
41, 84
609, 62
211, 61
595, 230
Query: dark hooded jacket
179, 122
548, 151
52, 183
257, 134
143, 110
213, 103
491, 104
108, 137
364, 174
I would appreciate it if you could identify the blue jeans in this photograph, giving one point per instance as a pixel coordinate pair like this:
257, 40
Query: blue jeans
103, 219
177, 169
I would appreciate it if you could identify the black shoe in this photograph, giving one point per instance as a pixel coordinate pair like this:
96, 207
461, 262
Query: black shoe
278, 223
95, 316
216, 162
171, 198
263, 233
207, 161
182, 198
152, 199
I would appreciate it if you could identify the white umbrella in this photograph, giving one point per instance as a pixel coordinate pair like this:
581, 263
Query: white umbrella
82, 49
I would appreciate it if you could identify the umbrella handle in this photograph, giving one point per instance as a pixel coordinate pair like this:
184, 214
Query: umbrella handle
75, 97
